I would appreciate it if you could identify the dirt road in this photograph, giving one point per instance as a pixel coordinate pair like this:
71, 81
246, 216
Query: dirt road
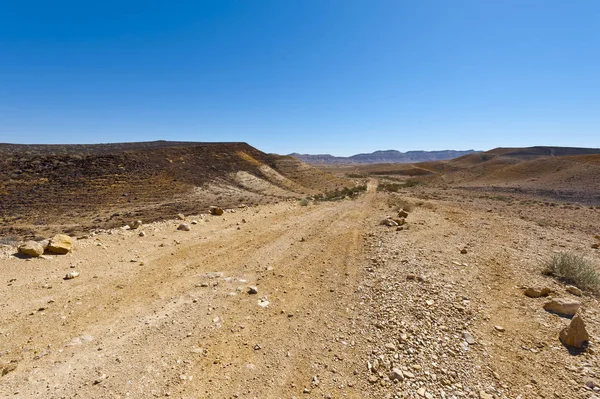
169, 314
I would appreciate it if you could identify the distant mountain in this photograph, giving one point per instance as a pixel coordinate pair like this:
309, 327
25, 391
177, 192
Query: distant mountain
389, 156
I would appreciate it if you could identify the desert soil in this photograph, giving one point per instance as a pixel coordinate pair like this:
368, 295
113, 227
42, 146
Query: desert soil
341, 300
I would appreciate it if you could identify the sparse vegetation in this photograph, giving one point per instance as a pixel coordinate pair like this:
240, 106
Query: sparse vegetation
304, 202
574, 269
390, 187
341, 194
395, 187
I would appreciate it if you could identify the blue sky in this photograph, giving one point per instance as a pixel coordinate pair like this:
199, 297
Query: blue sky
310, 76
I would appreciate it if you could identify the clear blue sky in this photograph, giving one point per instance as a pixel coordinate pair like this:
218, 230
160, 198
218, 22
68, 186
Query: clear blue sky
312, 76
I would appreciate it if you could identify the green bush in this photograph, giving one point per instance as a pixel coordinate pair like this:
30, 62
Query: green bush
574, 269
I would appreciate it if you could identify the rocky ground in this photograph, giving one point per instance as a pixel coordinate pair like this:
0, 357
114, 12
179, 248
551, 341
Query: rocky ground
318, 301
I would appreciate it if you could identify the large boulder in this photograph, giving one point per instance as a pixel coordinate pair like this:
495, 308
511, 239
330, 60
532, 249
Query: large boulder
31, 248
563, 306
60, 244
575, 335
215, 210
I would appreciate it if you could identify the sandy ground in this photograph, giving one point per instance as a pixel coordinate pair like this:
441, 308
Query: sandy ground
169, 314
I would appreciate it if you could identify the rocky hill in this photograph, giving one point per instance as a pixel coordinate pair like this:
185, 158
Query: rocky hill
104, 185
388, 156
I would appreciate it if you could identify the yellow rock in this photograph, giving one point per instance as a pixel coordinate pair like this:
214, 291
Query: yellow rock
60, 244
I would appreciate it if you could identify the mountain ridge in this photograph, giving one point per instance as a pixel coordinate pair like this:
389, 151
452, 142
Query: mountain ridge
383, 156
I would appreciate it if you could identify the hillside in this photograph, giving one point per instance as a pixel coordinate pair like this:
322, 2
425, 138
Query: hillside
389, 156
103, 185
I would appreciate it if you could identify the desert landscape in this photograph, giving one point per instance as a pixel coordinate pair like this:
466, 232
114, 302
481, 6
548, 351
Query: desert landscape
215, 270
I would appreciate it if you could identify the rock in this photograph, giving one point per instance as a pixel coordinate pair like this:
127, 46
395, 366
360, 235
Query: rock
136, 225
463, 251
388, 222
532, 292
142, 234
563, 306
184, 227
402, 213
71, 275
252, 290
408, 374
595, 246
373, 378
194, 222
421, 392
31, 248
469, 338
483, 395
60, 244
499, 328
396, 374
571, 289
8, 368
575, 335
215, 210
44, 243
180, 216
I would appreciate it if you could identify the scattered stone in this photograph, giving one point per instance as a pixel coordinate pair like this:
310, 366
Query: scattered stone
402, 213
596, 246
571, 289
484, 395
8, 368
532, 292
396, 374
31, 248
142, 234
184, 227
388, 222
215, 210
575, 335
71, 275
263, 303
421, 392
373, 378
136, 225
499, 328
180, 216
468, 337
194, 222
463, 251
60, 244
100, 379
563, 306
252, 290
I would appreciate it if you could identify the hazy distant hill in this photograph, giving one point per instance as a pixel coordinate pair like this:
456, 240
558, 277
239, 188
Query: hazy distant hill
389, 156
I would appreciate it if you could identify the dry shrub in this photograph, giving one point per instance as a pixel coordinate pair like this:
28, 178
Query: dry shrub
574, 269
